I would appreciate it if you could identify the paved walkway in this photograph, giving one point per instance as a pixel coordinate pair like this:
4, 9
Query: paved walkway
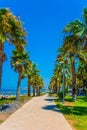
40, 113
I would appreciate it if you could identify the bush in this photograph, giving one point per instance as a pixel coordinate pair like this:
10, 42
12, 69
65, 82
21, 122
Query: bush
86, 92
60, 94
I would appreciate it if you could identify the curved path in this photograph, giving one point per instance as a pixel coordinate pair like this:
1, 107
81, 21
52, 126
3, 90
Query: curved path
40, 113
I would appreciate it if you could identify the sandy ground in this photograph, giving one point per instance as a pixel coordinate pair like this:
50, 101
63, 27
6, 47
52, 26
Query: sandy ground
40, 113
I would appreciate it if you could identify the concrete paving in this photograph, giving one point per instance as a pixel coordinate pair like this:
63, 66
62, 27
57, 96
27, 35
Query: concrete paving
40, 113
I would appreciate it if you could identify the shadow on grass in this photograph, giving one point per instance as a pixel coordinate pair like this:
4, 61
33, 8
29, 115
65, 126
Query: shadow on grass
75, 110
4, 107
69, 100
4, 103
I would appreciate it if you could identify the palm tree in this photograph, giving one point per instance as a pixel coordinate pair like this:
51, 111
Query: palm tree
29, 75
53, 83
35, 72
35, 80
2, 59
29, 85
58, 76
39, 84
82, 74
70, 51
72, 43
19, 61
10, 31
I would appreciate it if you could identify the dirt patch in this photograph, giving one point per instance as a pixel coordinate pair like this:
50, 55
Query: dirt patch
71, 122
4, 116
70, 104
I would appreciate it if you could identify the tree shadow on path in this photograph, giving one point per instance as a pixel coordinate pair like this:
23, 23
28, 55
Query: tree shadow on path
51, 108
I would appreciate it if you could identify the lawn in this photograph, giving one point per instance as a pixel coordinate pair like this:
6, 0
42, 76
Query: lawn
75, 112
23, 99
6, 100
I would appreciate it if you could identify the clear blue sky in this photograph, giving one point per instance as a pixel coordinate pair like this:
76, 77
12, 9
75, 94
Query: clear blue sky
44, 21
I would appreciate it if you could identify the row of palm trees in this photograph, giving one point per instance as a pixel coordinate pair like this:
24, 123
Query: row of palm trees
72, 57
12, 31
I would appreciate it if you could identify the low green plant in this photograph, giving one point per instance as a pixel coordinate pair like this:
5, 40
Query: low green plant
60, 94
86, 93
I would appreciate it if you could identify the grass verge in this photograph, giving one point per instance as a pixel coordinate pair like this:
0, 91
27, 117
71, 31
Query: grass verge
75, 112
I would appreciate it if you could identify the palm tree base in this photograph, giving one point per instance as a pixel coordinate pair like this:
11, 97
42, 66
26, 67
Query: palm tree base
74, 98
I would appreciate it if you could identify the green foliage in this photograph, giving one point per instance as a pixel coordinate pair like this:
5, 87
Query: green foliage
12, 99
60, 94
86, 93
74, 27
85, 15
6, 100
20, 61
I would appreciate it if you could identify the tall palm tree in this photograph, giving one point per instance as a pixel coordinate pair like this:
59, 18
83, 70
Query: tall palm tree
2, 59
58, 76
10, 31
70, 50
72, 43
29, 75
19, 61
35, 72
39, 84
54, 82
82, 74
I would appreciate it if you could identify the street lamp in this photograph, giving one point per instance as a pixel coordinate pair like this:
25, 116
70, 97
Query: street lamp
63, 85
63, 82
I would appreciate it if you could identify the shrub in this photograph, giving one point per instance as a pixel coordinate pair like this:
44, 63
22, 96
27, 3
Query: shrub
60, 94
86, 92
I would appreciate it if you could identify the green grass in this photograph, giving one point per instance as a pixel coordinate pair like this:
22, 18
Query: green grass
24, 98
12, 99
43, 93
52, 94
75, 112
6, 100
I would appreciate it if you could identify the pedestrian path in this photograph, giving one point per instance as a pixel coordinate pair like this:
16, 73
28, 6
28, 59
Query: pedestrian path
40, 113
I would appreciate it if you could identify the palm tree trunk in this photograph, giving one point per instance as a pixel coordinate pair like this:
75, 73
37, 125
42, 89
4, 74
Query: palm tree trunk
29, 93
73, 78
38, 91
18, 87
1, 66
33, 91
56, 86
59, 86
1, 62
